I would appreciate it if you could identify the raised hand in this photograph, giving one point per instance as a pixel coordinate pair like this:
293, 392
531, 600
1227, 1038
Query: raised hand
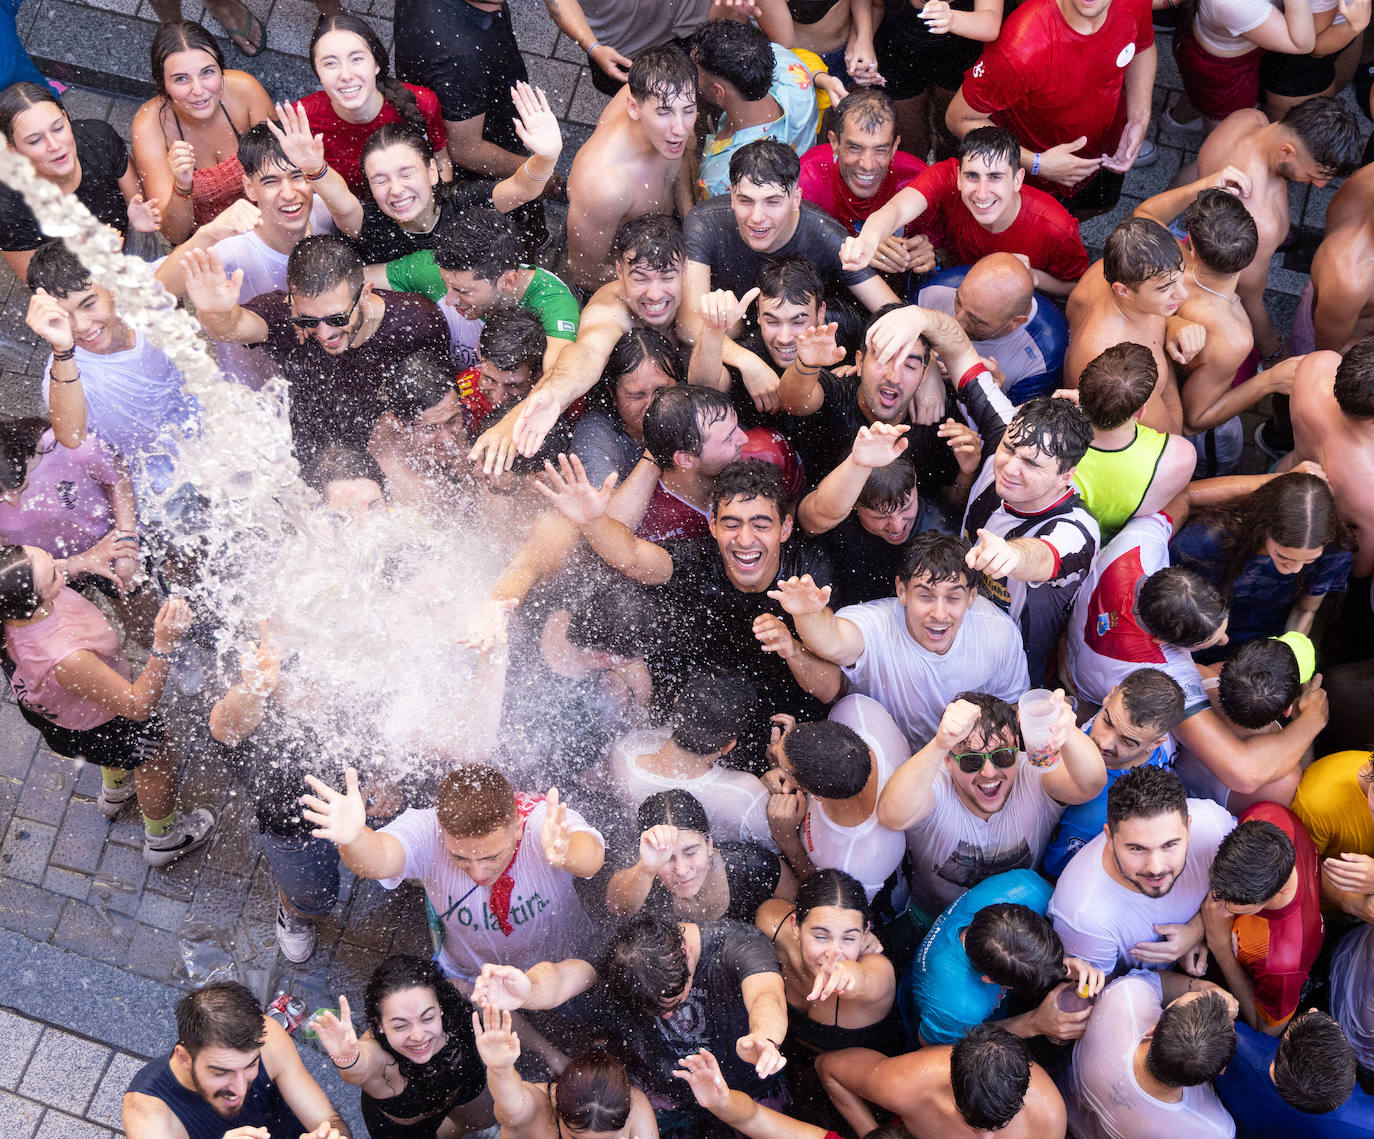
336, 1033
501, 987
879, 444
758, 1050
536, 124
304, 150
340, 818
703, 1076
656, 847
571, 494
207, 287
486, 627
897, 334
238, 217
816, 346
721, 311
958, 720
964, 442
181, 159
836, 977
497, 1043
801, 596
50, 320
993, 555
774, 636
144, 216
556, 832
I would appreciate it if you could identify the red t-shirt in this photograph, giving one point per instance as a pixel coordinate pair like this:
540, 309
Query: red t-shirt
822, 186
1277, 947
343, 141
671, 517
1043, 230
1049, 84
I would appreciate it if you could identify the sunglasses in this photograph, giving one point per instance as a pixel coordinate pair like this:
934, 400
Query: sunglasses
333, 320
971, 762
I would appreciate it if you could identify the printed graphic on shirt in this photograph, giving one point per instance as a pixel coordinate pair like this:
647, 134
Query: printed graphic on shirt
968, 864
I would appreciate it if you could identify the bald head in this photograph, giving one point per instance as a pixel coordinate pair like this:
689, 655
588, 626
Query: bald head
994, 297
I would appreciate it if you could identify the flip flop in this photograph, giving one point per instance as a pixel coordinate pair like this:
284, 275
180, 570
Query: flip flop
250, 32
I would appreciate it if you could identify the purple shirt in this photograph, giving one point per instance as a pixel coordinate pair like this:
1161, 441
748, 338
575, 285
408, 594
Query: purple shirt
64, 507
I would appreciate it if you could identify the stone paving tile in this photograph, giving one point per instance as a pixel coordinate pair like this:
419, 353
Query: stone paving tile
109, 1096
82, 837
119, 879
68, 883
160, 911
21, 741
94, 932
28, 909
24, 853
20, 1116
64, 1071
18, 1037
55, 1125
155, 953
9, 798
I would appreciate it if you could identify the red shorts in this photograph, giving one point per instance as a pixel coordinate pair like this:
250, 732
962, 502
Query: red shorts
1216, 87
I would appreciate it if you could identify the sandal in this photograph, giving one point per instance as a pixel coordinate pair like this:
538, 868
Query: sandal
249, 36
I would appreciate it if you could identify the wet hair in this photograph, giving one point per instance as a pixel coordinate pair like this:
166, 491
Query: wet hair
474, 800
182, 35
1354, 385
401, 971
18, 595
792, 279
738, 53
322, 262
258, 146
630, 351
750, 479
1139, 250
1153, 699
593, 1092
1192, 1042
871, 109
1015, 947
417, 383
1296, 510
994, 145
514, 338
477, 240
55, 269
613, 618
1117, 383
222, 1014
1057, 428
828, 759
709, 714
832, 887
1179, 606
936, 558
396, 93
674, 808
18, 98
1221, 231
1251, 864
996, 718
340, 463
990, 1071
1331, 132
653, 241
396, 134
678, 418
646, 964
1259, 682
1314, 1066
888, 488
1145, 792
765, 161
662, 73
887, 1130
19, 439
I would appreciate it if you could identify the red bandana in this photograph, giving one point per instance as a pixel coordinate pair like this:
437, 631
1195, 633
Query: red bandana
504, 886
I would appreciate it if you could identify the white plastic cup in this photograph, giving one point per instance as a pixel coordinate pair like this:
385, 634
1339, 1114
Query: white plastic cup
1037, 711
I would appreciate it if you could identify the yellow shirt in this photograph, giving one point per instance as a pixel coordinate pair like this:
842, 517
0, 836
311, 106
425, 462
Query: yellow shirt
1333, 806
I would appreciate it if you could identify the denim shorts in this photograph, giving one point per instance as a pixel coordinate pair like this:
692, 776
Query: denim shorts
306, 870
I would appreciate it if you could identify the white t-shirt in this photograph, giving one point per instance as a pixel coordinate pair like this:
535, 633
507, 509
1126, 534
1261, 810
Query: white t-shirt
1106, 643
916, 685
952, 849
1107, 1101
1016, 353
736, 802
1100, 920
869, 851
546, 919
1352, 990
1220, 25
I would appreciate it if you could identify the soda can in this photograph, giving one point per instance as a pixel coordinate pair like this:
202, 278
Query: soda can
288, 1011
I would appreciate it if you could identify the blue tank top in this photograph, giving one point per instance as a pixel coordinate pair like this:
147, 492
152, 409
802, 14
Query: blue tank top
262, 1106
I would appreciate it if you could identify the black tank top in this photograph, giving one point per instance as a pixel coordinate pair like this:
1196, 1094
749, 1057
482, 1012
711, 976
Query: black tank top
262, 1106
807, 12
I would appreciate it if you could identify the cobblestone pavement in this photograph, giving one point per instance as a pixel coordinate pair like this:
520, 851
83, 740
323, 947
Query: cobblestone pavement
88, 934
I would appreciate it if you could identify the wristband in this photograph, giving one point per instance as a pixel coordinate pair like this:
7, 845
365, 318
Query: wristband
320, 173
1035, 164
159, 654
55, 380
64, 355
804, 369
525, 169
591, 47
354, 1060
186, 194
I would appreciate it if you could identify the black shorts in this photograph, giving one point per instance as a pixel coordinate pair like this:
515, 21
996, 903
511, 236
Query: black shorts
120, 743
912, 60
1297, 76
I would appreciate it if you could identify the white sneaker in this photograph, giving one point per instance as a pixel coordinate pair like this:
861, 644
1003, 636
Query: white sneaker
296, 936
188, 832
1192, 126
1148, 153
112, 800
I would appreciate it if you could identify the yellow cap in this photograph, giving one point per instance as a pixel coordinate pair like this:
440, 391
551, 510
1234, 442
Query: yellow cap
1304, 650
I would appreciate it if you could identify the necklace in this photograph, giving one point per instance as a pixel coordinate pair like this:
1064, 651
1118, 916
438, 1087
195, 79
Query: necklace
1205, 289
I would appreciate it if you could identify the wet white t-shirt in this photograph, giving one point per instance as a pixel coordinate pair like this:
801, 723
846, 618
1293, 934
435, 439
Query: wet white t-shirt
869, 851
546, 920
1100, 920
1106, 1100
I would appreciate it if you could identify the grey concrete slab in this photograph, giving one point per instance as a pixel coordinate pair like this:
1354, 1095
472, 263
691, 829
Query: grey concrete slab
588, 102
109, 41
18, 742
64, 1071
48, 788
55, 1125
18, 1038
24, 853
82, 837
67, 883
28, 909
558, 79
94, 933
534, 27
106, 1104
21, 1116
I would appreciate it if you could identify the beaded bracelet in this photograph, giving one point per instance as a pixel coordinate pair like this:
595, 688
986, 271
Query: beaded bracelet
320, 173
67, 354
185, 194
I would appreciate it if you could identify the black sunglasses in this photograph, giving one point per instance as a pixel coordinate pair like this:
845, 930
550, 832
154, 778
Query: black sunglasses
971, 762
334, 320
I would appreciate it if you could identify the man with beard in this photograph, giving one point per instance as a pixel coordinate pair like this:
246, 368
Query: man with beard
1133, 895
233, 1070
420, 441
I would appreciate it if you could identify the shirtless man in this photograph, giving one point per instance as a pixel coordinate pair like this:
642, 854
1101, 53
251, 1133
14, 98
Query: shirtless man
1315, 141
986, 1082
1133, 294
1343, 268
641, 135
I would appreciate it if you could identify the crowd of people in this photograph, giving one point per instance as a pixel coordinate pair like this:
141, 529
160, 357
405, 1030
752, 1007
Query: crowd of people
895, 716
